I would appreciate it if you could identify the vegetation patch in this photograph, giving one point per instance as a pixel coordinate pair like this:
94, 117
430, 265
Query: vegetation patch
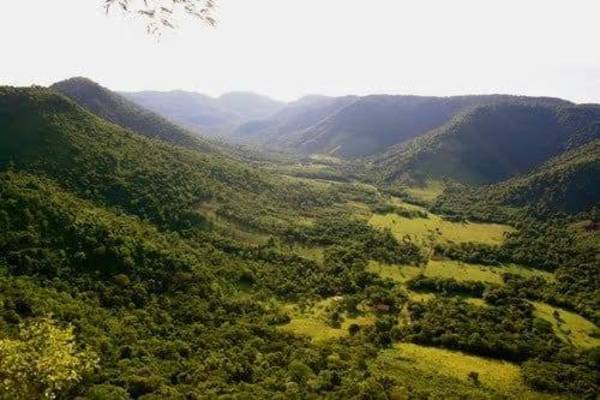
427, 192
316, 321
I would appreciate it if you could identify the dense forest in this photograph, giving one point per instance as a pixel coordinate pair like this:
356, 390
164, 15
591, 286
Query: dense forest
138, 261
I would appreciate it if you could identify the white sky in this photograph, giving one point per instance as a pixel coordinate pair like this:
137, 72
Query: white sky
288, 48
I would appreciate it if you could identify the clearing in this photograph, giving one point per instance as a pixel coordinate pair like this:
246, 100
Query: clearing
499, 376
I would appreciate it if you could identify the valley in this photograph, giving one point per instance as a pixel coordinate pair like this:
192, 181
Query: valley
183, 267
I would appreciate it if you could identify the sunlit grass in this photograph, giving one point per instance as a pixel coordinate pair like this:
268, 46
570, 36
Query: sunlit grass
436, 229
311, 321
585, 237
401, 203
420, 296
501, 376
570, 327
230, 228
325, 159
311, 252
453, 269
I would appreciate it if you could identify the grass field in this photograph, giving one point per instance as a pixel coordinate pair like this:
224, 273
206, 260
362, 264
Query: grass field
570, 327
420, 297
499, 376
453, 269
318, 330
401, 203
231, 229
436, 229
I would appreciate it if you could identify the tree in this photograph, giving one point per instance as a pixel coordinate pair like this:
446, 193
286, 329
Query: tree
161, 14
41, 362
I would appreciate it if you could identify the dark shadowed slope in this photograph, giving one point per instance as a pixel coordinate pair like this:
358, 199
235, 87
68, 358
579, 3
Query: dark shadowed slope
353, 127
115, 108
568, 183
494, 142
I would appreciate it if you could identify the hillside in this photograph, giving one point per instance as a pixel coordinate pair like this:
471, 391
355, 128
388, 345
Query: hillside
116, 108
492, 143
201, 113
351, 127
46, 133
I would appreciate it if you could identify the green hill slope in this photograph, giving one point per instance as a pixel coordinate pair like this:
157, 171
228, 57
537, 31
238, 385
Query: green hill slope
116, 108
45, 133
569, 182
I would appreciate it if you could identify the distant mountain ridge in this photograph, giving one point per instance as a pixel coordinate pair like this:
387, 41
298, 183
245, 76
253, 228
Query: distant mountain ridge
474, 140
351, 126
209, 115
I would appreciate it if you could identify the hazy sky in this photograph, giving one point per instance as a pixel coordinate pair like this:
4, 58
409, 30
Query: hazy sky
287, 48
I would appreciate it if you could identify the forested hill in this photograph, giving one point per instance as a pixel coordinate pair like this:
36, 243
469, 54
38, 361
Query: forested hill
351, 127
494, 142
45, 133
116, 108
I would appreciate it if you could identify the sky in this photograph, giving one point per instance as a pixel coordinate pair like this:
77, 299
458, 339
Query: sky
289, 48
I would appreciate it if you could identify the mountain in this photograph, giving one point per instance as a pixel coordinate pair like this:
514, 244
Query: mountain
351, 127
116, 108
212, 116
494, 142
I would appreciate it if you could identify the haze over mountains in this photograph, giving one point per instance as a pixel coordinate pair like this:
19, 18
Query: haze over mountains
208, 115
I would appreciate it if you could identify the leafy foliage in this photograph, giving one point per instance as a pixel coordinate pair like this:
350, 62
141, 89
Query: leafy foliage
41, 362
